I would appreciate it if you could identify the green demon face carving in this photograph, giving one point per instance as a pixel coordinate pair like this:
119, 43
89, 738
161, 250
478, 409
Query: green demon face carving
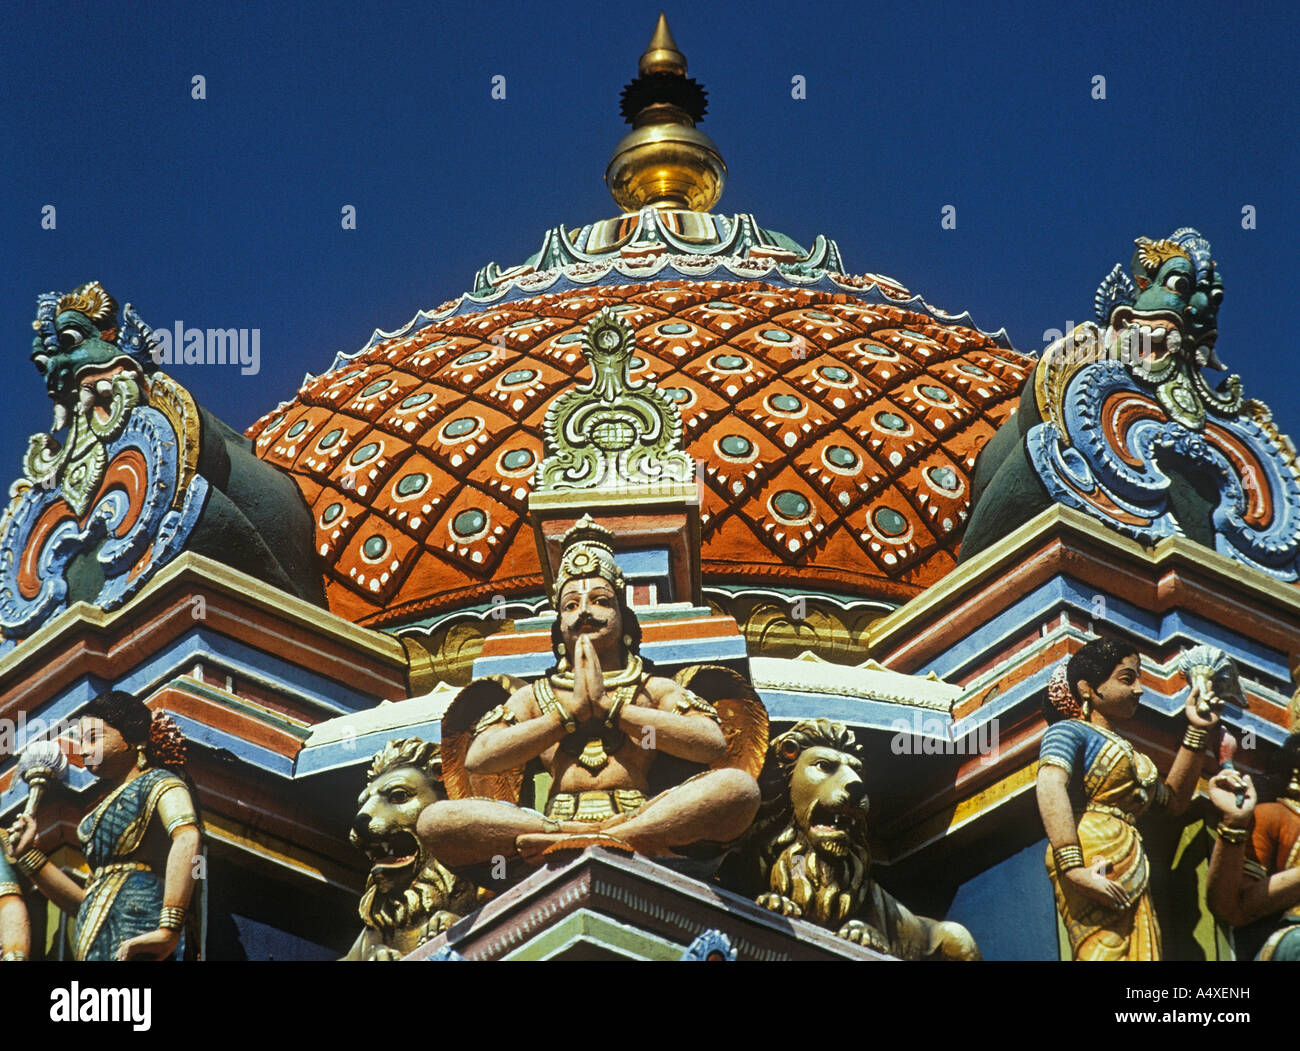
81, 348
1171, 305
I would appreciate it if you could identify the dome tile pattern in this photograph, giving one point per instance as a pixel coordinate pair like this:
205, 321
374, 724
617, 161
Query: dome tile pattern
837, 439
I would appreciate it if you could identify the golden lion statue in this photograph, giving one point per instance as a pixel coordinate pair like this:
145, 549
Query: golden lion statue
812, 852
409, 896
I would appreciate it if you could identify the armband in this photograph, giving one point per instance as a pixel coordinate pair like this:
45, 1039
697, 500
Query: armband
176, 808
548, 702
690, 701
171, 918
1068, 857
499, 714
615, 710
1194, 738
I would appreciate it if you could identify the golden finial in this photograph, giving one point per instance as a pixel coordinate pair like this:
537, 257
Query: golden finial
662, 55
665, 162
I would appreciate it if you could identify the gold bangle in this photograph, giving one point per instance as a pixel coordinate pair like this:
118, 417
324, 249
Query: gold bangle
566, 720
615, 710
31, 863
1195, 737
14, 956
171, 918
1069, 857
1232, 835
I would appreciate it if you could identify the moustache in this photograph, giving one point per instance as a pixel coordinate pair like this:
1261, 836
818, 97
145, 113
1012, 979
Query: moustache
586, 620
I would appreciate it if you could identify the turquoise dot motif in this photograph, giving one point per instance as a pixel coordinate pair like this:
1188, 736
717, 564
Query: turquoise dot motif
736, 445
461, 427
889, 521
410, 484
517, 459
469, 523
791, 505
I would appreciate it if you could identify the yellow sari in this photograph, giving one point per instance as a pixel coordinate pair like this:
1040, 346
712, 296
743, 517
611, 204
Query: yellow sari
1118, 784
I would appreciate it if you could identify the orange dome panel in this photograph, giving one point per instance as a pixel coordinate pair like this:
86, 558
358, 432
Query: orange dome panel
738, 458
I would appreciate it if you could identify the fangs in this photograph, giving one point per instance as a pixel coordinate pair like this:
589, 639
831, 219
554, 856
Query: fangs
383, 853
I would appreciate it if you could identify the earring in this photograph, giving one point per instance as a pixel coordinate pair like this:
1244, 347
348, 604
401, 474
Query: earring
1087, 708
627, 642
141, 760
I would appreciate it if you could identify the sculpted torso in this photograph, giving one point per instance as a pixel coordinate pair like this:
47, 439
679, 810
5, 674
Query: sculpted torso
629, 762
657, 716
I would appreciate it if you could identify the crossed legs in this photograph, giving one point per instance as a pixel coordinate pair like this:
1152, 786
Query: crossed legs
716, 806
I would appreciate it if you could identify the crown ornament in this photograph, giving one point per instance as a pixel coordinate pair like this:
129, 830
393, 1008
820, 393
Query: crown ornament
587, 550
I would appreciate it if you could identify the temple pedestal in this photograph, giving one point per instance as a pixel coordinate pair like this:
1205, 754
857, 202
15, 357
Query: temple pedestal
603, 905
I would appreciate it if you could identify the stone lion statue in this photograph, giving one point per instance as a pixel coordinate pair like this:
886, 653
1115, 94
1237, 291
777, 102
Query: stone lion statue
409, 897
810, 841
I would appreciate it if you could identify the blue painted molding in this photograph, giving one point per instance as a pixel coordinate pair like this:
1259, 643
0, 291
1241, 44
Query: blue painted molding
685, 651
252, 754
1063, 592
336, 755
239, 658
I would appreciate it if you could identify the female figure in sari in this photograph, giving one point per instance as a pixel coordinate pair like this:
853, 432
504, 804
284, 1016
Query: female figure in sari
15, 932
141, 840
1092, 786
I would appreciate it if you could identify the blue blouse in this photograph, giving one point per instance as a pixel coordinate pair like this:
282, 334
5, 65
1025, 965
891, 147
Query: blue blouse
1072, 745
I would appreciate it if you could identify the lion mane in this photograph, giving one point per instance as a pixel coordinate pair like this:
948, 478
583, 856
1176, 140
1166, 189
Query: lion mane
434, 889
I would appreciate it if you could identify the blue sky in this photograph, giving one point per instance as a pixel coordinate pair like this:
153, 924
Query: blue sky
226, 212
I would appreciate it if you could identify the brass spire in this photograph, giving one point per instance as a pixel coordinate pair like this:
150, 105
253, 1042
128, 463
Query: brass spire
662, 55
665, 162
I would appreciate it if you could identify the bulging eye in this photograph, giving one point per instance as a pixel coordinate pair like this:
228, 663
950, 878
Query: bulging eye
71, 337
1216, 296
1179, 284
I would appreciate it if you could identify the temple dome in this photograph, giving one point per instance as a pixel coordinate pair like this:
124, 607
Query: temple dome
837, 421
